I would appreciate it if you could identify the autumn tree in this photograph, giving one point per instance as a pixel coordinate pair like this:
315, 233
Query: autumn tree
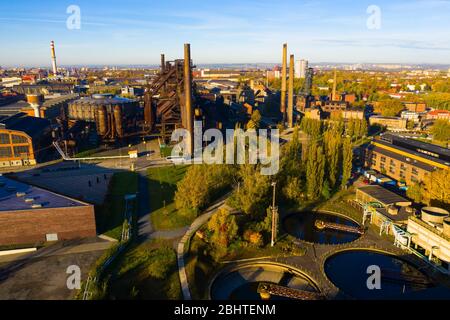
315, 170
441, 130
347, 159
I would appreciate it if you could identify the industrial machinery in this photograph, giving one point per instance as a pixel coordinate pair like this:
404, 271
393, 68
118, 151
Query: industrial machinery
168, 102
114, 117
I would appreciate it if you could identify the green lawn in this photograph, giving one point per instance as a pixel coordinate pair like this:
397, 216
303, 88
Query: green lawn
109, 215
162, 184
146, 271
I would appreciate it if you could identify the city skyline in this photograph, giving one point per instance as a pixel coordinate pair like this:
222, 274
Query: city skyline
411, 32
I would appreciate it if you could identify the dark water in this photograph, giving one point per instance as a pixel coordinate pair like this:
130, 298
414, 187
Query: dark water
249, 291
301, 226
348, 271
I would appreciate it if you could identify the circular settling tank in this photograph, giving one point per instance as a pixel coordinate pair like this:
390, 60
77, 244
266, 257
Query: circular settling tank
308, 226
353, 272
242, 283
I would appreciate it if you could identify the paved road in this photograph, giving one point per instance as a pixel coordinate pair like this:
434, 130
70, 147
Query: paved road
181, 245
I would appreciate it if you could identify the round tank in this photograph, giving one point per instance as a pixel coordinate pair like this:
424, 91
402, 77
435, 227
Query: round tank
102, 123
102, 95
447, 226
118, 120
434, 214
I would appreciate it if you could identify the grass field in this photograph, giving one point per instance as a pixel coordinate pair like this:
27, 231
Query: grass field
162, 184
109, 215
146, 271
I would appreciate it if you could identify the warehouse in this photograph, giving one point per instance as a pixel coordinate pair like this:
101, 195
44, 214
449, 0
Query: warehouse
31, 215
23, 140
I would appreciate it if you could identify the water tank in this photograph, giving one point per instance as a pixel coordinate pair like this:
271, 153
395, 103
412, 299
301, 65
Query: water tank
118, 120
434, 215
102, 122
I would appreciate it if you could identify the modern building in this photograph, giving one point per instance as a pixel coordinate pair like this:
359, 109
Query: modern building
411, 116
430, 234
300, 68
23, 140
391, 123
405, 160
31, 215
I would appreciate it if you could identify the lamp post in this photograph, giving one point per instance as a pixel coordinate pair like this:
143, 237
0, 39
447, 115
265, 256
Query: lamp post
274, 217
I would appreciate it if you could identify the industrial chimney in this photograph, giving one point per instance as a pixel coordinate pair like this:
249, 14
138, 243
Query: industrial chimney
188, 96
35, 101
283, 83
52, 48
290, 108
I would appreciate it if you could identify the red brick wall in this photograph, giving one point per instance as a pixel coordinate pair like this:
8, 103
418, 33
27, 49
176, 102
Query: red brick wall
31, 226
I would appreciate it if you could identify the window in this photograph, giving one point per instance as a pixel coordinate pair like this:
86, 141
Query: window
383, 159
414, 179
4, 138
20, 151
402, 175
5, 152
19, 139
415, 171
392, 163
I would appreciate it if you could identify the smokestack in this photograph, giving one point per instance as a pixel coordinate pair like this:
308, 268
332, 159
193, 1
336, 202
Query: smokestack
52, 48
163, 63
290, 110
35, 101
188, 96
283, 83
333, 95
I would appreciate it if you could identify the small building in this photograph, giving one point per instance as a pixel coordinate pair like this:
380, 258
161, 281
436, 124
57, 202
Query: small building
30, 215
415, 106
391, 123
390, 208
353, 113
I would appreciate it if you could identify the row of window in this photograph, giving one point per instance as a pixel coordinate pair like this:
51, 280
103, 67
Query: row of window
19, 151
4, 138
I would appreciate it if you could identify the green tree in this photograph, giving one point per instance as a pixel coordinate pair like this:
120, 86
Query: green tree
347, 159
416, 192
223, 227
315, 171
389, 108
332, 142
441, 130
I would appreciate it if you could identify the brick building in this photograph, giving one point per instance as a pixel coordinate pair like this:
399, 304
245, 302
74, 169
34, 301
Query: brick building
30, 215
405, 160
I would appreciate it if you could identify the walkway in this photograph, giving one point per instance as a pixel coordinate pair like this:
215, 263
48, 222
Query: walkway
181, 245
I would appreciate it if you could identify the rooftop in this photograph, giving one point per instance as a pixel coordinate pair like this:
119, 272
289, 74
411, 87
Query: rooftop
21, 122
382, 195
15, 195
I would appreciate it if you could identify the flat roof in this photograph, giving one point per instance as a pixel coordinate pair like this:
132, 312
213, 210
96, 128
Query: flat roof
382, 195
393, 155
9, 201
413, 152
416, 144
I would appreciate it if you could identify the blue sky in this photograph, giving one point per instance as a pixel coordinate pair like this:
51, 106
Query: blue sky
225, 31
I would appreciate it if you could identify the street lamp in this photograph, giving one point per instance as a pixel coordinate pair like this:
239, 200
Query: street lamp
274, 217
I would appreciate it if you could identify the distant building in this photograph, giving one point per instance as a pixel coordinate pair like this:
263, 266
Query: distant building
415, 106
410, 116
300, 68
23, 139
405, 160
391, 123
9, 82
353, 113
31, 215
438, 114
132, 91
